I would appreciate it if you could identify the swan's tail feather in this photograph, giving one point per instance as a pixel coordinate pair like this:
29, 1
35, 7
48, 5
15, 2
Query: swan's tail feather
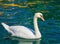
6, 27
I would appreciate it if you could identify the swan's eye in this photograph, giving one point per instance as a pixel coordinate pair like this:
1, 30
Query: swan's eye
41, 15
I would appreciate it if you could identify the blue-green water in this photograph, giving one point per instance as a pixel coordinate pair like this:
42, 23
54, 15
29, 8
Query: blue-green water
14, 15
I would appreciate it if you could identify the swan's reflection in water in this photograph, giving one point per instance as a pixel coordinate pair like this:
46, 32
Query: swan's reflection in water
27, 41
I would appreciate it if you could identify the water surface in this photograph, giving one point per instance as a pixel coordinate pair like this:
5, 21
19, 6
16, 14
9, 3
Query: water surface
22, 13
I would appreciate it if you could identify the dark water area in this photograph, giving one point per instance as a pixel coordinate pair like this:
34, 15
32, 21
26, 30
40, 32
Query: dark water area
16, 15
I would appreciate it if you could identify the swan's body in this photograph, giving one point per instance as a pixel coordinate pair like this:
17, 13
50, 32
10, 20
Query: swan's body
24, 32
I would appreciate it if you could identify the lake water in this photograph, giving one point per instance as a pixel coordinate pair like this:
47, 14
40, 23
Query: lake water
16, 14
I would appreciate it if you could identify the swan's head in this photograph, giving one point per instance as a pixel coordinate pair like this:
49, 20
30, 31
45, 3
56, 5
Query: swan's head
39, 15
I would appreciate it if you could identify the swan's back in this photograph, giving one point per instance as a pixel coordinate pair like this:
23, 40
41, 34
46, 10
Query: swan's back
21, 31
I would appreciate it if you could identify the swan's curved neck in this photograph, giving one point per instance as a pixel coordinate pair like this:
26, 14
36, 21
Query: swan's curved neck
38, 35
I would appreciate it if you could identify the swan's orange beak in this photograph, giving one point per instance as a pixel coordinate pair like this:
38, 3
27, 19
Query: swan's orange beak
42, 18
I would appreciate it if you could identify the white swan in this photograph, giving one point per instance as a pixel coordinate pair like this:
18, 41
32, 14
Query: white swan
24, 32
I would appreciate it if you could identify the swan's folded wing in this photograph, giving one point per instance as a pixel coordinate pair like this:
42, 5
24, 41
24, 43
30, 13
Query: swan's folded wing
21, 31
